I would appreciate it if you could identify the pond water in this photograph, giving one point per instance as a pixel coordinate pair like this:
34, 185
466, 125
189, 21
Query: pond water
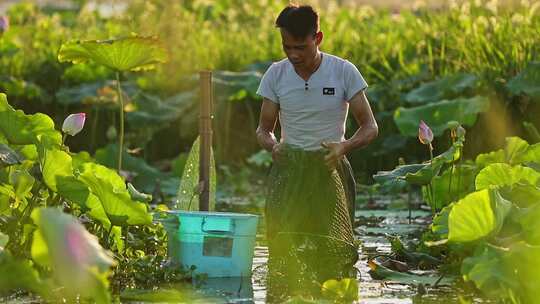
371, 227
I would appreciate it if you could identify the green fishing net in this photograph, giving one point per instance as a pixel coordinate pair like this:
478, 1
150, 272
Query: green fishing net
309, 215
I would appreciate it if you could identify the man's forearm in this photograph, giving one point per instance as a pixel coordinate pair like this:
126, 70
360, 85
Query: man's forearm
361, 138
266, 139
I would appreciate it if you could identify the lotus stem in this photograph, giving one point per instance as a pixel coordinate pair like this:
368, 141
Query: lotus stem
121, 137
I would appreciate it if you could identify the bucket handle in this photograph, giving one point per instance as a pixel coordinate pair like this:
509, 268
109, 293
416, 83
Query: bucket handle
214, 231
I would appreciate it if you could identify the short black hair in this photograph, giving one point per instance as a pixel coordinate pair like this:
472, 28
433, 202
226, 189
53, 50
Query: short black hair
300, 21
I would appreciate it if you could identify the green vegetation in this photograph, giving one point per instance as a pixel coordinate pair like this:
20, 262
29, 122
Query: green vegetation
470, 71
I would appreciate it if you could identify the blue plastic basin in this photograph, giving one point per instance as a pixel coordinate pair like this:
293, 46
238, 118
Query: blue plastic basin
219, 244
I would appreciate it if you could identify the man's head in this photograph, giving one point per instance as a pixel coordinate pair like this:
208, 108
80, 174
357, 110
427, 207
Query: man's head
300, 34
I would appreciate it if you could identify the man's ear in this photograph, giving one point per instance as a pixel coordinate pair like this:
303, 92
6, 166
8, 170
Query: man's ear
318, 37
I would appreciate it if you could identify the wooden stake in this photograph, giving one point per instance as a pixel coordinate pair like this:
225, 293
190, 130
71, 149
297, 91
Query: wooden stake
205, 132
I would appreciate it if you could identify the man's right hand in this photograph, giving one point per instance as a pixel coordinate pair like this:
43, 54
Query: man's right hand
277, 151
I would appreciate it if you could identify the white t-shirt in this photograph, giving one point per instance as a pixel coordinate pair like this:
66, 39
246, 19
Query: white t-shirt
312, 111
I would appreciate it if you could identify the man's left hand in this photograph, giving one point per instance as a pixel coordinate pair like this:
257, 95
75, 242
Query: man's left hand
336, 151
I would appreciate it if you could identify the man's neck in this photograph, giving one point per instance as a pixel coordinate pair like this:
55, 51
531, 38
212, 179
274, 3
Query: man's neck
306, 72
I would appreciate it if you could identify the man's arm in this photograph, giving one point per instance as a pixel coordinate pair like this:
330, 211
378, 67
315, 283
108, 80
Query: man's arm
366, 133
367, 126
267, 124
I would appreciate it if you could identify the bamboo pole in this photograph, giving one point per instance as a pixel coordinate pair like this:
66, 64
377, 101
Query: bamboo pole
205, 131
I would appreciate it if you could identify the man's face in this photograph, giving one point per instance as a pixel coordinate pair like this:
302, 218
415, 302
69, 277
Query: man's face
301, 52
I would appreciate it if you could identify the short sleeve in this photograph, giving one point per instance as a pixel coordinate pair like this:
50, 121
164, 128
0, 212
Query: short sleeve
267, 87
354, 82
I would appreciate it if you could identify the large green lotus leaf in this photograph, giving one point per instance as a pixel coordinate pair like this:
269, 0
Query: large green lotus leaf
532, 154
153, 111
443, 88
57, 171
187, 197
501, 174
438, 114
523, 195
478, 215
485, 159
453, 184
111, 190
124, 54
73, 254
417, 174
424, 175
523, 260
22, 129
528, 219
236, 85
526, 82
515, 150
398, 174
28, 152
486, 269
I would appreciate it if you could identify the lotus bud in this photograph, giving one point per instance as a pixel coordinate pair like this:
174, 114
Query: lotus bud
73, 124
4, 24
424, 133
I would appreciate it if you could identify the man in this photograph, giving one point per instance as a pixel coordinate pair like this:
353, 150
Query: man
310, 203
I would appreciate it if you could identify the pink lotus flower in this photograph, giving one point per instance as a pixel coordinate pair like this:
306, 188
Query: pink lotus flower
73, 254
424, 133
74, 123
4, 24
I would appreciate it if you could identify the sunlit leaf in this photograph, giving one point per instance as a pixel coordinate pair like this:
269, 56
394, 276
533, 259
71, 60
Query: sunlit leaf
522, 194
57, 171
111, 190
124, 54
501, 174
22, 129
478, 215
344, 289
187, 197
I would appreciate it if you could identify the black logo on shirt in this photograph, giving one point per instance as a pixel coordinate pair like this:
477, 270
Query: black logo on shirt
329, 91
